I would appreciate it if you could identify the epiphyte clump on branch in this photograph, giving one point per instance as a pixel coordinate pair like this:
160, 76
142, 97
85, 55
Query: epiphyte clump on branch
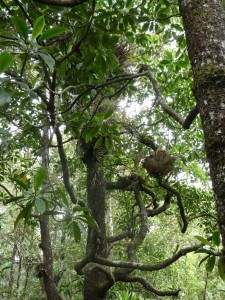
159, 164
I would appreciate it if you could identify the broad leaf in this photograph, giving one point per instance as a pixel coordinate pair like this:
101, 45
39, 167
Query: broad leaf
22, 85
19, 182
206, 251
21, 26
210, 264
204, 259
39, 178
98, 143
6, 266
6, 60
48, 59
88, 220
40, 205
221, 269
76, 231
203, 240
38, 27
216, 238
24, 214
5, 98
108, 143
52, 32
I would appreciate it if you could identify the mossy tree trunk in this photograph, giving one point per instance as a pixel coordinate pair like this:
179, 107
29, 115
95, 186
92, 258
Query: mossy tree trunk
98, 279
204, 24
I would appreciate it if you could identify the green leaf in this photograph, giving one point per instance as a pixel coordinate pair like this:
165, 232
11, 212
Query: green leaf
88, 60
108, 143
39, 178
98, 143
21, 26
91, 133
62, 196
22, 85
204, 259
108, 113
6, 60
78, 208
145, 26
203, 240
38, 27
76, 231
210, 264
88, 220
216, 238
6, 266
207, 251
129, 3
24, 214
48, 59
20, 183
5, 98
52, 32
53, 213
40, 205
221, 269
13, 199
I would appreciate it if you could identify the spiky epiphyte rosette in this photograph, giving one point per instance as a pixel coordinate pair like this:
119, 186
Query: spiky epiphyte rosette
159, 164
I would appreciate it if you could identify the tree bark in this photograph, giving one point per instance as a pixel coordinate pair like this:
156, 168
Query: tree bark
98, 279
45, 270
11, 273
204, 24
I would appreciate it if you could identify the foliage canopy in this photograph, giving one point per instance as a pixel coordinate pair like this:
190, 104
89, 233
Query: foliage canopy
88, 90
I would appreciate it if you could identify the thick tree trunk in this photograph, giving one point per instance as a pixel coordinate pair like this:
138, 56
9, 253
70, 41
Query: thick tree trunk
204, 24
96, 199
98, 279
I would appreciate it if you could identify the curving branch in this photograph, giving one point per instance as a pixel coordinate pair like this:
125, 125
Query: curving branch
149, 192
190, 117
110, 81
162, 208
62, 3
148, 286
119, 237
145, 267
146, 140
172, 190
143, 230
202, 215
185, 123
126, 183
77, 44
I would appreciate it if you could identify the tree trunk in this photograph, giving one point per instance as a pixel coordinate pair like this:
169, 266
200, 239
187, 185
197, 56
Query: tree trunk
205, 33
45, 270
11, 273
98, 279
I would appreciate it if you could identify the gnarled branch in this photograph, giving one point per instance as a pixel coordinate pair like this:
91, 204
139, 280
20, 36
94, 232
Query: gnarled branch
148, 286
145, 267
